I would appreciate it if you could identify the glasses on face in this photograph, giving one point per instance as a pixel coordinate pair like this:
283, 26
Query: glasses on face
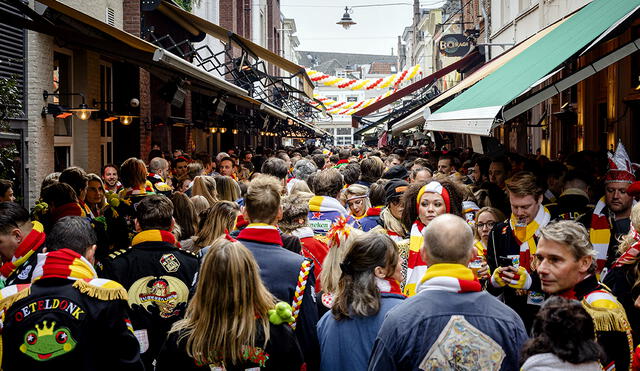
488, 225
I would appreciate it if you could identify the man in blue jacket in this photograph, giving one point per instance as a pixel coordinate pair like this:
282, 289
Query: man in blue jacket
450, 323
287, 275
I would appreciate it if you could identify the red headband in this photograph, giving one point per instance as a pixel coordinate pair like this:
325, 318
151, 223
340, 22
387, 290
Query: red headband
435, 187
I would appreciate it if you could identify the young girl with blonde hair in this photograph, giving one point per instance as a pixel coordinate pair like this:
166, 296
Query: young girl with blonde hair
227, 323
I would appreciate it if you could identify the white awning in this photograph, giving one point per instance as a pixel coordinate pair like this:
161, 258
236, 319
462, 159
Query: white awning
414, 119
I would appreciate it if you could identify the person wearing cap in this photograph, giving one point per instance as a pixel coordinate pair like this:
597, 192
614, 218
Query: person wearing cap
396, 172
610, 219
432, 199
512, 245
377, 196
391, 216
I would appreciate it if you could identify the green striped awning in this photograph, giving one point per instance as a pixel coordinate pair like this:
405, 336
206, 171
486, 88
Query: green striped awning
480, 108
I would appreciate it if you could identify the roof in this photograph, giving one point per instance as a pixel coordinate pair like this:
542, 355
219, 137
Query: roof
342, 58
382, 68
329, 67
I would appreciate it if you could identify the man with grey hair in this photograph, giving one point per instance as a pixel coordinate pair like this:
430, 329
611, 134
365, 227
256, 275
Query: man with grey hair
451, 323
566, 264
301, 172
158, 171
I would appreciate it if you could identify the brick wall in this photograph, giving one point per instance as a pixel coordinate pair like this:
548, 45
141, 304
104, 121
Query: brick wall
40, 129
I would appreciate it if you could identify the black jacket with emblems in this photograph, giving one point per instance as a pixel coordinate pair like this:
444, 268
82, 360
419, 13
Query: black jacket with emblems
60, 324
158, 277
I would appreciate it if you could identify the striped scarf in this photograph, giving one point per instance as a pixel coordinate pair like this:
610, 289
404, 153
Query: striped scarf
449, 277
154, 235
325, 204
141, 190
261, 232
600, 233
388, 286
25, 250
63, 263
631, 254
416, 267
527, 237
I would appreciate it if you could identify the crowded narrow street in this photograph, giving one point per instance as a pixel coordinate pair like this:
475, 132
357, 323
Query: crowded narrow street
295, 185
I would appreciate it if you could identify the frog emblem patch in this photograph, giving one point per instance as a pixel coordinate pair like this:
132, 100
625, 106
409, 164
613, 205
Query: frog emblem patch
47, 342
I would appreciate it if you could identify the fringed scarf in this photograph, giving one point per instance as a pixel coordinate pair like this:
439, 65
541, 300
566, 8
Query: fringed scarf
25, 250
326, 204
63, 263
416, 267
388, 286
261, 232
527, 237
631, 255
449, 277
600, 233
156, 235
480, 248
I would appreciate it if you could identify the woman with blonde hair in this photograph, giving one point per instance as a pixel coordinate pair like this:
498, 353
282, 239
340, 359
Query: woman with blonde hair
369, 287
356, 198
339, 239
228, 189
485, 219
204, 185
235, 330
200, 203
214, 223
624, 276
184, 214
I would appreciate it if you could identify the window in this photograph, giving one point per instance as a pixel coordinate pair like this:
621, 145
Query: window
332, 97
343, 131
505, 12
110, 17
524, 5
106, 127
62, 82
352, 99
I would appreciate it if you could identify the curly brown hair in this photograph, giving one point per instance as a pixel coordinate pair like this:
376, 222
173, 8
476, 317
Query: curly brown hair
409, 199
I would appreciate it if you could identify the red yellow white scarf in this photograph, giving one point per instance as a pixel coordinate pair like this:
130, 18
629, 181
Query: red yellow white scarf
374, 211
69, 209
389, 286
27, 247
600, 233
416, 267
154, 235
261, 232
63, 263
128, 192
449, 277
527, 236
631, 255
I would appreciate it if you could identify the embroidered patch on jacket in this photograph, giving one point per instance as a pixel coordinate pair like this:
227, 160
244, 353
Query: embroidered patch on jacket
170, 263
25, 272
164, 295
461, 346
46, 342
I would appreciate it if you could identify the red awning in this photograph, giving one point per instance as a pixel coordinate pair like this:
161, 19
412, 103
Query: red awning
425, 81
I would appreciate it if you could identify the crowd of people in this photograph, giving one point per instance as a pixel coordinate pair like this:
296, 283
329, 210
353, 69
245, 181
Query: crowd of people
326, 259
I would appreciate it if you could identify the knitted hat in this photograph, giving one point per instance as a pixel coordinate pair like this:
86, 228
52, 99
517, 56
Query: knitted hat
294, 208
394, 189
435, 187
620, 167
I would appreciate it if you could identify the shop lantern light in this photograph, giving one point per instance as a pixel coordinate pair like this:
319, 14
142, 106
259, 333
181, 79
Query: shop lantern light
126, 119
234, 131
213, 130
83, 112
223, 130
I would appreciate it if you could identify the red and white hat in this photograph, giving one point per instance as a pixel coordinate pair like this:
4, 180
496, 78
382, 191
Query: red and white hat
620, 167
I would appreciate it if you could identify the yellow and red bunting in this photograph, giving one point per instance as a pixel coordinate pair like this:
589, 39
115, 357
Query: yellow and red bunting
303, 276
364, 84
347, 108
